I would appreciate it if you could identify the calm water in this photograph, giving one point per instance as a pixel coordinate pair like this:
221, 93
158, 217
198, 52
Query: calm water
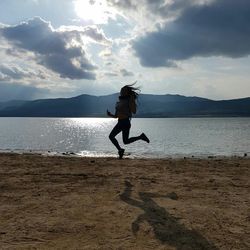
89, 136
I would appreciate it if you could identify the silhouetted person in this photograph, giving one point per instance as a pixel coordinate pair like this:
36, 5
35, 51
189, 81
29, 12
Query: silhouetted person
166, 227
124, 109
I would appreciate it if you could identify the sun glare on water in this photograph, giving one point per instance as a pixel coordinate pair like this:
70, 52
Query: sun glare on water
96, 11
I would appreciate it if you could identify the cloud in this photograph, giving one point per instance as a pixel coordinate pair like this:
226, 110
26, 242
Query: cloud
14, 72
91, 31
124, 4
105, 53
96, 35
169, 9
4, 77
118, 73
156, 7
220, 28
125, 72
15, 52
110, 74
60, 51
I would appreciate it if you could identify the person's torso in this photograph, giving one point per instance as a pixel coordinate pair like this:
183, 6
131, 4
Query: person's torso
122, 108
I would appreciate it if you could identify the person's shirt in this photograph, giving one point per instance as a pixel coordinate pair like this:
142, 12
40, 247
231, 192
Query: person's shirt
123, 107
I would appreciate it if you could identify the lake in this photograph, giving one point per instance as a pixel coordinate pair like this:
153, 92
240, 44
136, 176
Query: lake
89, 136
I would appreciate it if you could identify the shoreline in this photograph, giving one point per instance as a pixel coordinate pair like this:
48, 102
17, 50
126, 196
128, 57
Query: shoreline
94, 154
105, 203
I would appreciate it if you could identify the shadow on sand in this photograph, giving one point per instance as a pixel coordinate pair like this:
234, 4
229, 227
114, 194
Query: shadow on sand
166, 227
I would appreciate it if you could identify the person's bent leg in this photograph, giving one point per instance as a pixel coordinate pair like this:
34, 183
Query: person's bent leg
127, 140
115, 131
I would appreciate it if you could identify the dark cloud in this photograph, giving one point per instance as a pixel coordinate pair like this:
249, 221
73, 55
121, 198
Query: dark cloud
14, 91
66, 68
59, 51
220, 28
15, 52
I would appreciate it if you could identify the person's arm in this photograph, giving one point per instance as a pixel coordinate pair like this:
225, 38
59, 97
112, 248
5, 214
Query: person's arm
111, 115
132, 104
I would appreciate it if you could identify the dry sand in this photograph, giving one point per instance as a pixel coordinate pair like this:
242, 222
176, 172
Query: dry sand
106, 203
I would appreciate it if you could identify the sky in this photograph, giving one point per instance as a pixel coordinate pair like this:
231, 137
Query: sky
65, 48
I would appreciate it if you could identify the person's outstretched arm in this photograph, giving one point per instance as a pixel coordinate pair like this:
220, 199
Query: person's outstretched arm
111, 115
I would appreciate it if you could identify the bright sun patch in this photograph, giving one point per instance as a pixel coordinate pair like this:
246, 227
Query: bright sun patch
96, 11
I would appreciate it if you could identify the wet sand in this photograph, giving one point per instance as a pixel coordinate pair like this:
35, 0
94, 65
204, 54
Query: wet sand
106, 203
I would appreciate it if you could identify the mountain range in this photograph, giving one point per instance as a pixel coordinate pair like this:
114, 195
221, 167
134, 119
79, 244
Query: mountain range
148, 106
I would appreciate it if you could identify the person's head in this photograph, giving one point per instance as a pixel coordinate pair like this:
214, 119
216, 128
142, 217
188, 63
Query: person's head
130, 90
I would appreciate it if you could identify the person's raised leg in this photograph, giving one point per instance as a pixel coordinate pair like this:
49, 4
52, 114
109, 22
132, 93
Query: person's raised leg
125, 136
127, 140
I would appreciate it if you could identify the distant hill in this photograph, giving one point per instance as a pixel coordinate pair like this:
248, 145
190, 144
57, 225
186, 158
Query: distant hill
148, 106
14, 103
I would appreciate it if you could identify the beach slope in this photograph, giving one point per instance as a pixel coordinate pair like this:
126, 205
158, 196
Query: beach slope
106, 203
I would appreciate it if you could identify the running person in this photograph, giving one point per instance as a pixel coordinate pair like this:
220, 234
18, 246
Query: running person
124, 109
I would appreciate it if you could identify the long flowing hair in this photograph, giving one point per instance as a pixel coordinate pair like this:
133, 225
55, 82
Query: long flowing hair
130, 90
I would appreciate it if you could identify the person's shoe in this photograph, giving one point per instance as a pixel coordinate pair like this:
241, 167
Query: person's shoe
121, 153
144, 138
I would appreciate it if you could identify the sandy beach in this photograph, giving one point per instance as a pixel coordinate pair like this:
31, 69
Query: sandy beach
106, 203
